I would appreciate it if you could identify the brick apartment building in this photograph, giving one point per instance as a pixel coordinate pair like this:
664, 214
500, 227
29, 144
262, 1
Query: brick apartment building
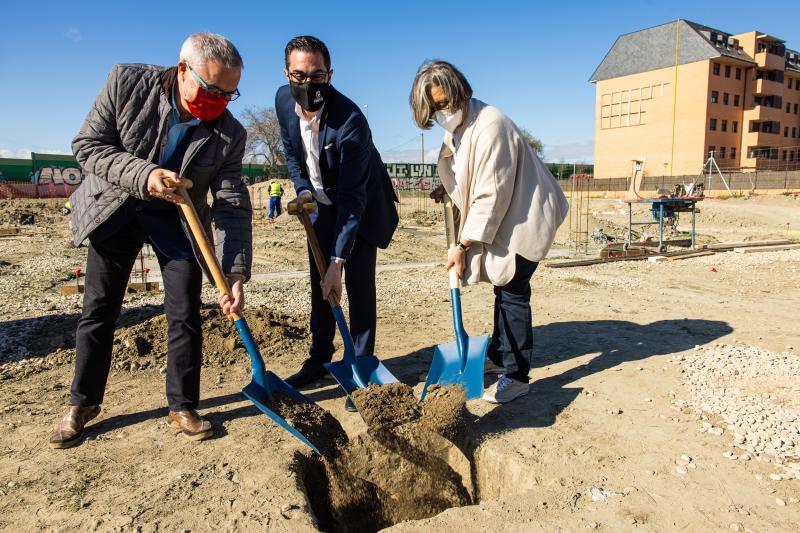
667, 96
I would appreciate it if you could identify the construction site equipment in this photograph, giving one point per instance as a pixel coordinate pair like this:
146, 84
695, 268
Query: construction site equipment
352, 372
776, 248
143, 285
710, 167
661, 210
579, 211
723, 246
70, 287
264, 384
459, 362
706, 249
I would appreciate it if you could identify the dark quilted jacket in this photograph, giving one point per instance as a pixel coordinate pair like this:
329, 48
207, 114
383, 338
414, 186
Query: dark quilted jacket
119, 144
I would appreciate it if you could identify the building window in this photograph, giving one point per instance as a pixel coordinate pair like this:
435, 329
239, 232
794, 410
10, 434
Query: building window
722, 152
790, 86
626, 107
788, 107
715, 69
714, 97
770, 75
795, 109
784, 155
786, 131
738, 73
794, 133
724, 127
713, 124
711, 150
725, 98
727, 71
733, 152
736, 100
797, 84
735, 126
769, 126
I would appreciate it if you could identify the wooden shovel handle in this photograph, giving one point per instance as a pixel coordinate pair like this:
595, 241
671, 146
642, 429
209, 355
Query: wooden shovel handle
313, 242
200, 237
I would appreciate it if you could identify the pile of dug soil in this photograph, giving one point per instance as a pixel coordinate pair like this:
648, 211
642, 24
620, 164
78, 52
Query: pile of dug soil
276, 336
140, 341
45, 212
404, 468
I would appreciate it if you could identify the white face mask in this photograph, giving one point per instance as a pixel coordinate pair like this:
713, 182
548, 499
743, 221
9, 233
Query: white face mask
448, 120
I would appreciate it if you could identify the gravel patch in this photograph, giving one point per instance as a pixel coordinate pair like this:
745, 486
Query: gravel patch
756, 394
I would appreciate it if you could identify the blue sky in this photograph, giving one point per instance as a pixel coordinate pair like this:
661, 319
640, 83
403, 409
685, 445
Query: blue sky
530, 59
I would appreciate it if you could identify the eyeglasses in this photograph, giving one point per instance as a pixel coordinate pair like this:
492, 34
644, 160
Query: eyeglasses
440, 105
213, 91
320, 76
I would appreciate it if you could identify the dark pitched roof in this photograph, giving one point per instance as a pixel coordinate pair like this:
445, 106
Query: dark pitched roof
654, 48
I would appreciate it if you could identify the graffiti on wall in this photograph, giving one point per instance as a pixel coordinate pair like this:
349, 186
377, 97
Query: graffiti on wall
405, 176
58, 176
412, 176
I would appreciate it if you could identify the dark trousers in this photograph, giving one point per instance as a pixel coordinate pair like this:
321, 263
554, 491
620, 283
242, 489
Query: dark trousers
274, 206
512, 338
108, 268
359, 280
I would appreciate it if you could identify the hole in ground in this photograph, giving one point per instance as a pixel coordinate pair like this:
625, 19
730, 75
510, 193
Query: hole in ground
386, 480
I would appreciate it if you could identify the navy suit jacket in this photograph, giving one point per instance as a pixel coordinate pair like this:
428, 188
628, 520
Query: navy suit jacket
353, 175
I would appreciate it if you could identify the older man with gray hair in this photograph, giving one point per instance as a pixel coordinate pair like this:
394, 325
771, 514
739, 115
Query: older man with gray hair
149, 128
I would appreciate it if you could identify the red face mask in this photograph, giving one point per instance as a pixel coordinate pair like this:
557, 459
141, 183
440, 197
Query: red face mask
206, 107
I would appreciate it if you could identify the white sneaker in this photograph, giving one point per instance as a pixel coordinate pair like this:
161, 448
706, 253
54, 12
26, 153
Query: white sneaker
490, 368
505, 390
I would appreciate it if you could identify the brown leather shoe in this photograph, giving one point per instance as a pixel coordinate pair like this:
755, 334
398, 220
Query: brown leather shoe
192, 425
69, 430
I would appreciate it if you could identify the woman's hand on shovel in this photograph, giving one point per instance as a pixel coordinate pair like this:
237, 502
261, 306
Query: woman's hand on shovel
236, 304
457, 258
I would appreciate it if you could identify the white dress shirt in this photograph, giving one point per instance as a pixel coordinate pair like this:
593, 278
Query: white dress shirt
309, 132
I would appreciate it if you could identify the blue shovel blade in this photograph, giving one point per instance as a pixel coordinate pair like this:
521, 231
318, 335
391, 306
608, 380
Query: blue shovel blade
446, 367
368, 368
261, 396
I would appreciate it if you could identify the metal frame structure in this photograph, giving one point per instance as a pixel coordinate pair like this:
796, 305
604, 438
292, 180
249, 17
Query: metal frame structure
662, 208
579, 211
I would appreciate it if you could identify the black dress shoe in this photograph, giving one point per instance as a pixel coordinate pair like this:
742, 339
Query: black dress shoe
310, 372
349, 405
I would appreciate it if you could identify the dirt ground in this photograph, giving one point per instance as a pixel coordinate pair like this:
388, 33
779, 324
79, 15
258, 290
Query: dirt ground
664, 396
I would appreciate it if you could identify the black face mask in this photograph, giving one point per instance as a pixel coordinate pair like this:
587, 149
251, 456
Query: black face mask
310, 96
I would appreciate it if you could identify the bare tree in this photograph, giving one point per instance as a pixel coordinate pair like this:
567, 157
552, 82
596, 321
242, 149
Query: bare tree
535, 143
264, 144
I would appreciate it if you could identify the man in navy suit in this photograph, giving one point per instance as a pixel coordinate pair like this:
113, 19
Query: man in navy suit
331, 160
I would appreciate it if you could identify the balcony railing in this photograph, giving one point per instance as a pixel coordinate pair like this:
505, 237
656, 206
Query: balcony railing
767, 86
770, 61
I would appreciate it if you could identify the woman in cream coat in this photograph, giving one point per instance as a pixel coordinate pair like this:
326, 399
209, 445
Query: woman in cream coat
509, 205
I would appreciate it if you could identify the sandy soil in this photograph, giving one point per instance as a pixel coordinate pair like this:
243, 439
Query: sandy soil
641, 406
